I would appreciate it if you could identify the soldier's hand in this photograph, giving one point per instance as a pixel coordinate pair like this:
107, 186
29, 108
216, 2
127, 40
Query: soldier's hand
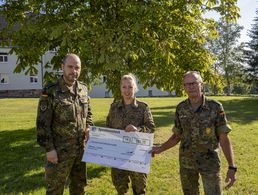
230, 179
155, 150
87, 134
130, 128
52, 157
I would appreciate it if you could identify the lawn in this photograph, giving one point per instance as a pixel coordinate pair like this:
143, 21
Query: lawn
22, 160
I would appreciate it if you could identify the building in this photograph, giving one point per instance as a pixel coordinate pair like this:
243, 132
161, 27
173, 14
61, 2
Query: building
18, 84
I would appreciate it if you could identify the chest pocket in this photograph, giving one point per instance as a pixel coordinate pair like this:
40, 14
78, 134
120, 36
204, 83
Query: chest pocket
84, 106
207, 128
135, 118
64, 111
185, 120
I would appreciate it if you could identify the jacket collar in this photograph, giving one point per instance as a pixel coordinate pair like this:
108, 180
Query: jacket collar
133, 105
64, 87
204, 102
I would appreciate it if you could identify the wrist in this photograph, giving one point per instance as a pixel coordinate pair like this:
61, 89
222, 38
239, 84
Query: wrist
234, 168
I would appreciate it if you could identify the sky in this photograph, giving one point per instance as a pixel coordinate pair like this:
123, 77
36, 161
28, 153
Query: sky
247, 12
247, 15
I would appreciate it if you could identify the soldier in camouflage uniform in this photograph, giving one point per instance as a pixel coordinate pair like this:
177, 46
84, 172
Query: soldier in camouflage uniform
63, 120
200, 125
129, 114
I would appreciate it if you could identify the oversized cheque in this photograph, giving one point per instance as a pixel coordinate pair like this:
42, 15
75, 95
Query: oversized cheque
120, 149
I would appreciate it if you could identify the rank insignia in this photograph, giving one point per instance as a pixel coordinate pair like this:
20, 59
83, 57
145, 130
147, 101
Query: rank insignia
208, 131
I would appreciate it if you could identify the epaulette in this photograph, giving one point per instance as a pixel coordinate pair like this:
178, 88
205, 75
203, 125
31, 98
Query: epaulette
141, 102
82, 83
213, 101
49, 85
182, 103
115, 103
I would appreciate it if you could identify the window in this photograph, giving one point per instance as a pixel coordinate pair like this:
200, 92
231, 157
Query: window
4, 78
3, 57
107, 94
33, 79
150, 93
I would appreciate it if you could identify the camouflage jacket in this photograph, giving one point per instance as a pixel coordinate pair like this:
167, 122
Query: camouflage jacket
137, 114
199, 131
63, 115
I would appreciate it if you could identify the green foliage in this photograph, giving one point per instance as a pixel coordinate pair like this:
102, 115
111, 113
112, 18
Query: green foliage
252, 55
156, 40
229, 62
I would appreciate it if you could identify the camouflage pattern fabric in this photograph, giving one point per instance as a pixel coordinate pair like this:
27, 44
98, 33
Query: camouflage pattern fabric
57, 175
63, 115
120, 179
139, 115
190, 184
199, 131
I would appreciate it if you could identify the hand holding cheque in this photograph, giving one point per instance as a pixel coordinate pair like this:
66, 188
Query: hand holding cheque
119, 149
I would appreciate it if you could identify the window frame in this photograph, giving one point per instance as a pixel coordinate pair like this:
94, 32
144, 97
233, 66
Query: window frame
5, 77
4, 57
34, 79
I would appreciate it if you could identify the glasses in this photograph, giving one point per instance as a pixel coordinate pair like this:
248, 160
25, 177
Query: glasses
194, 84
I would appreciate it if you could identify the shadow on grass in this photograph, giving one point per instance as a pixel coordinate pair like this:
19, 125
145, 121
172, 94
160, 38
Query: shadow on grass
242, 110
100, 123
239, 110
163, 115
22, 163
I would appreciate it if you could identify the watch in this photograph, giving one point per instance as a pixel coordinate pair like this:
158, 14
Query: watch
232, 168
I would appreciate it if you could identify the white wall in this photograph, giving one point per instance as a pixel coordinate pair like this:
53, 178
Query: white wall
16, 81
99, 91
21, 81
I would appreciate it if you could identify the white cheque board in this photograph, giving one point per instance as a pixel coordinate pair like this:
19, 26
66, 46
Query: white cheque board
119, 149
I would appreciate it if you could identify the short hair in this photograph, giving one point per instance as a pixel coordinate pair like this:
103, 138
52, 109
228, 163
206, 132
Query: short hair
199, 77
132, 78
70, 55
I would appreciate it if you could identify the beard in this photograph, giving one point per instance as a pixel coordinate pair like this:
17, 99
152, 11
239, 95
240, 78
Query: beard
71, 77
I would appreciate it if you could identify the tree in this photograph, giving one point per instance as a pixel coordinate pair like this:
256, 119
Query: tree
252, 56
229, 55
157, 40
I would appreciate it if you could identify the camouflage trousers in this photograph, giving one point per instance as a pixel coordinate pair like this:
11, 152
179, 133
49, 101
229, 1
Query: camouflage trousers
121, 180
190, 182
57, 175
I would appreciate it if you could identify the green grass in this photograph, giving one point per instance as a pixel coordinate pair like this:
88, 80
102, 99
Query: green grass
22, 160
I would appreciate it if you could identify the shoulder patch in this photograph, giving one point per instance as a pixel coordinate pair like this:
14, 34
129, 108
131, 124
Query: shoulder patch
43, 105
44, 94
